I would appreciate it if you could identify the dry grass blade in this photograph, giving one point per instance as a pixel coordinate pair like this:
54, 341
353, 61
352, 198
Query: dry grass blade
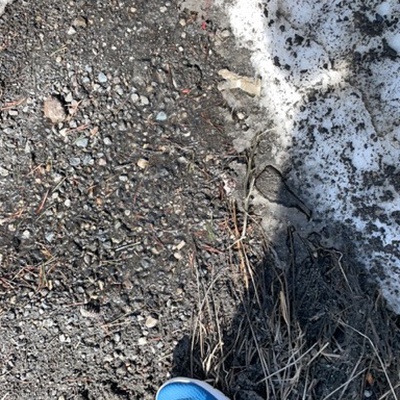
389, 392
377, 356
291, 364
344, 386
284, 308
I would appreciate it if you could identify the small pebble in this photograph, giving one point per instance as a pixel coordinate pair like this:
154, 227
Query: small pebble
122, 127
82, 142
142, 163
121, 371
151, 322
108, 358
73, 124
26, 234
134, 97
49, 236
119, 90
102, 78
161, 116
142, 341
80, 22
144, 101
68, 98
178, 256
74, 161
3, 172
87, 160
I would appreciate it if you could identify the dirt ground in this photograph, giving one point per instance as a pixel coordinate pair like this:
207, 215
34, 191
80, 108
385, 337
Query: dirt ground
130, 250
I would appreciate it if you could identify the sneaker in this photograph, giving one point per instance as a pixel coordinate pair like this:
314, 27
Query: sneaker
188, 389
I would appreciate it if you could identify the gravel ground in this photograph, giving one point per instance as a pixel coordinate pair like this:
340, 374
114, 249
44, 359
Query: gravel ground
125, 258
112, 151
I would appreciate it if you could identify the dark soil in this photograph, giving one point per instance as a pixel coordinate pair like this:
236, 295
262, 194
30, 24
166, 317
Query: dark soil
122, 256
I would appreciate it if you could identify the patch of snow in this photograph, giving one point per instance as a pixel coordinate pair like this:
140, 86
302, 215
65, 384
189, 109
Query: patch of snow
384, 9
332, 89
394, 42
3, 4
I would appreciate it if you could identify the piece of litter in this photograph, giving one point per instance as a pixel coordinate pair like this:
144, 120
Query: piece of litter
181, 245
249, 85
142, 163
178, 256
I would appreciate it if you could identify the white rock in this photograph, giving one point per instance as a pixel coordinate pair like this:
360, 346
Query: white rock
144, 101
3, 172
151, 322
102, 78
135, 97
142, 341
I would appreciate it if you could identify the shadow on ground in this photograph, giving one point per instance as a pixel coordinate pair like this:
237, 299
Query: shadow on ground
313, 327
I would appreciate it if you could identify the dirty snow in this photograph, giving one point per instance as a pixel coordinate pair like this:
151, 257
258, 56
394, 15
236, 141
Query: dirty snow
3, 4
331, 82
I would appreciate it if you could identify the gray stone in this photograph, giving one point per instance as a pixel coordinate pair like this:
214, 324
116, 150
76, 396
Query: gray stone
102, 78
82, 142
74, 161
161, 116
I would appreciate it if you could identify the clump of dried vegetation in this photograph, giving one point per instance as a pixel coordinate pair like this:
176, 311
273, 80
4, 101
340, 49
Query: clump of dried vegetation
311, 330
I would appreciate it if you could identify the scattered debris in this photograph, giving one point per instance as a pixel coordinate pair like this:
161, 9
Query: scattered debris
142, 163
252, 86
